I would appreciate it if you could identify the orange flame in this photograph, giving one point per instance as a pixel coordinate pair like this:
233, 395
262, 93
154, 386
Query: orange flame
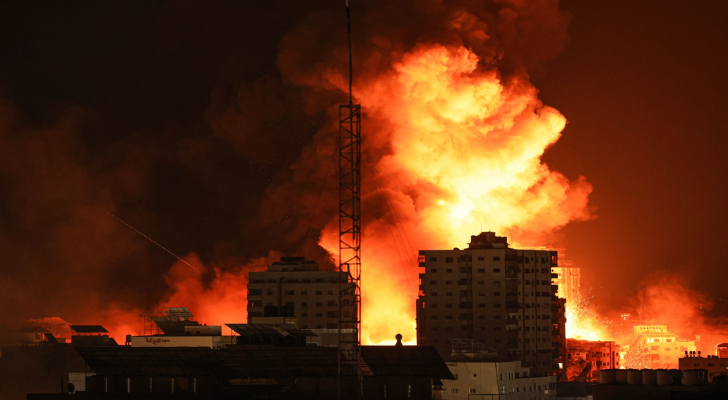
465, 152
583, 322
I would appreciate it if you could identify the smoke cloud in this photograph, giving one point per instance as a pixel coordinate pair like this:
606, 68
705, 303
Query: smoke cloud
454, 132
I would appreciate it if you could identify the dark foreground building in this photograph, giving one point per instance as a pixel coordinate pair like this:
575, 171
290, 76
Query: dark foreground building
270, 369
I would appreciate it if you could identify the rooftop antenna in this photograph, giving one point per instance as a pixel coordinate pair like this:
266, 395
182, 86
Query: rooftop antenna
349, 354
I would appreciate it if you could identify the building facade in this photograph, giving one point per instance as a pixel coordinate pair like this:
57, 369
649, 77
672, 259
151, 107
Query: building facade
585, 358
715, 365
506, 380
660, 347
295, 287
568, 277
501, 297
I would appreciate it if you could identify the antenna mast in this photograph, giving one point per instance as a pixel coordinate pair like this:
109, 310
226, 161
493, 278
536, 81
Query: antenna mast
349, 355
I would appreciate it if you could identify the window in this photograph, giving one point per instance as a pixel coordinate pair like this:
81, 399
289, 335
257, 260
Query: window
448, 294
472, 390
304, 304
304, 292
330, 292
433, 317
449, 270
481, 270
433, 258
304, 315
496, 269
481, 258
481, 282
496, 293
433, 294
454, 390
448, 259
288, 292
433, 271
497, 283
448, 305
255, 292
319, 315
655, 348
319, 292
481, 305
497, 258
448, 282
319, 304
433, 282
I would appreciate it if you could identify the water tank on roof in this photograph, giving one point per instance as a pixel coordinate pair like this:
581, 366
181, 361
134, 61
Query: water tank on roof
634, 377
621, 376
649, 377
668, 377
607, 377
695, 377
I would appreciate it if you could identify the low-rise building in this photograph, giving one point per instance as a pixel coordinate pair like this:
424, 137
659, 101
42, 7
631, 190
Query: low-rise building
659, 347
585, 358
194, 336
296, 288
715, 365
491, 379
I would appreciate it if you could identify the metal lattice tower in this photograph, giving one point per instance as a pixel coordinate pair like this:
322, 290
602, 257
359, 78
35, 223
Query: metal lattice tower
349, 357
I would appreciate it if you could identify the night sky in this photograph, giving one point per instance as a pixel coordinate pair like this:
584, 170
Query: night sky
643, 86
124, 106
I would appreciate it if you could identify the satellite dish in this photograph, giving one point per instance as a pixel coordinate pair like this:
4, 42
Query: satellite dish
71, 388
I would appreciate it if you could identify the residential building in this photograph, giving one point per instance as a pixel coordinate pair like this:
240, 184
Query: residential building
568, 277
503, 379
499, 296
662, 347
295, 287
716, 365
585, 358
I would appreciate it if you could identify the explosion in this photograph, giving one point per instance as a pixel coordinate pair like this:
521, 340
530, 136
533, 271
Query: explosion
583, 322
453, 136
465, 151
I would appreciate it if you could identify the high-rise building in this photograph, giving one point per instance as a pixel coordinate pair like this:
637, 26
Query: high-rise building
568, 277
496, 295
297, 291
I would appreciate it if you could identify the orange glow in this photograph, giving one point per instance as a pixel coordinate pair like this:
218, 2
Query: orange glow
583, 322
465, 147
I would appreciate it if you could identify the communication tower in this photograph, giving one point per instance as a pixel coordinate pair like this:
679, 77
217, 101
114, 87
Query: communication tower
349, 356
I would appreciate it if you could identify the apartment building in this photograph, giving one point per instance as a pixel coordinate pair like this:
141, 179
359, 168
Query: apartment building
586, 358
496, 380
499, 296
663, 347
296, 288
